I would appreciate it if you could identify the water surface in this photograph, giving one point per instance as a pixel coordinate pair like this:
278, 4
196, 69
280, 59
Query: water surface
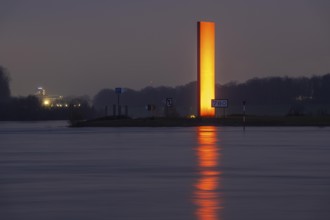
50, 171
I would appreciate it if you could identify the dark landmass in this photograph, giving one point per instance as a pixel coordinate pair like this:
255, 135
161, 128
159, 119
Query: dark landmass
306, 97
192, 122
30, 108
278, 96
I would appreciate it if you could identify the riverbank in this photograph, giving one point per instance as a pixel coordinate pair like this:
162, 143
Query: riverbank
192, 122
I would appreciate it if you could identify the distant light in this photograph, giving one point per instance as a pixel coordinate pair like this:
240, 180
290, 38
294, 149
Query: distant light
192, 116
46, 102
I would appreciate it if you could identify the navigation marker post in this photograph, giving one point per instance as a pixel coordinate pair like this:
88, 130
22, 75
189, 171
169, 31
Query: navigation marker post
119, 91
244, 103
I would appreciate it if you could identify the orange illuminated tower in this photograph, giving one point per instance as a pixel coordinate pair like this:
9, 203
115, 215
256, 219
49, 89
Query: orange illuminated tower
205, 68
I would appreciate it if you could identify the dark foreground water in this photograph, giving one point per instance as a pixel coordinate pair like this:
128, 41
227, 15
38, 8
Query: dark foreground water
51, 172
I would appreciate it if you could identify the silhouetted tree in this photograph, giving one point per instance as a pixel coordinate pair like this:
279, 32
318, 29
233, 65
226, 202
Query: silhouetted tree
4, 85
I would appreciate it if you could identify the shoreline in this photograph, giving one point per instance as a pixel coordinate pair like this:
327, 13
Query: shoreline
318, 121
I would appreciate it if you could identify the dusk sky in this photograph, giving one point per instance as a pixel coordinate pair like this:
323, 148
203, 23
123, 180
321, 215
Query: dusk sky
77, 47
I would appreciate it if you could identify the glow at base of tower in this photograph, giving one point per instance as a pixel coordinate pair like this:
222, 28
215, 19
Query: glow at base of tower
206, 68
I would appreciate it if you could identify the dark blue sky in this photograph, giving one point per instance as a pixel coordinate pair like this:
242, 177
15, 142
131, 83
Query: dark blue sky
76, 47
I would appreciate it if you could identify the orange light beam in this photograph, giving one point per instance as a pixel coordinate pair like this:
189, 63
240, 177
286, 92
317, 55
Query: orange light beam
206, 68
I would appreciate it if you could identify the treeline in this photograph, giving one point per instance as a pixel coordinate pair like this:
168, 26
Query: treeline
263, 96
30, 107
184, 100
271, 95
279, 90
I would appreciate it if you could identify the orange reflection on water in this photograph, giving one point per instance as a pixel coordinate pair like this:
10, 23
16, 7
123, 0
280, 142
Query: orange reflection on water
206, 195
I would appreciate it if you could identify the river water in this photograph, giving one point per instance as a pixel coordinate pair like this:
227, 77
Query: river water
49, 171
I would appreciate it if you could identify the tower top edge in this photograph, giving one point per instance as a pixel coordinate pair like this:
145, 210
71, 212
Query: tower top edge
212, 22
